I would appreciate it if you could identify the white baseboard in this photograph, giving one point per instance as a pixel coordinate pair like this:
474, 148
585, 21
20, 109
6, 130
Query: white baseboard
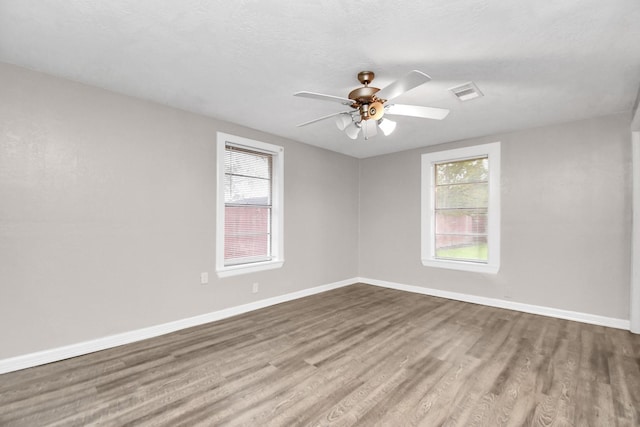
510, 305
73, 350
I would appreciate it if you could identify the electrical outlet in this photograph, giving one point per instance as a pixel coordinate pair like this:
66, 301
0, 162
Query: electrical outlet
255, 288
204, 278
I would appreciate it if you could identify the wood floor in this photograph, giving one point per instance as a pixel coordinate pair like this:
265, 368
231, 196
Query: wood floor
359, 355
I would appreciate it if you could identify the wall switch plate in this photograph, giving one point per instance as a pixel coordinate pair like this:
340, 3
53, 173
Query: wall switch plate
204, 278
255, 287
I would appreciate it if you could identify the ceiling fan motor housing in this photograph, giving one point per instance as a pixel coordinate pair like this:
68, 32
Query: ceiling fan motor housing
364, 98
373, 111
376, 110
363, 95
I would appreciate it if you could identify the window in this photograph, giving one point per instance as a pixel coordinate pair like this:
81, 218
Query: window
249, 221
461, 208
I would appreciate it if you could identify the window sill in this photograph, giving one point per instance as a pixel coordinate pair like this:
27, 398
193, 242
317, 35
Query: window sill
235, 270
461, 265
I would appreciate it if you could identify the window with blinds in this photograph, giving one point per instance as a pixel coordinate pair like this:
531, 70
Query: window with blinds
247, 205
249, 208
460, 225
461, 208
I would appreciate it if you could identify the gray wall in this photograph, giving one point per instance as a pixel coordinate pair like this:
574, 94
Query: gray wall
107, 215
566, 219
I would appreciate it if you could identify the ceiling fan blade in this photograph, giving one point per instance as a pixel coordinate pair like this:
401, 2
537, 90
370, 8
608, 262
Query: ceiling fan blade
323, 97
323, 118
417, 111
403, 84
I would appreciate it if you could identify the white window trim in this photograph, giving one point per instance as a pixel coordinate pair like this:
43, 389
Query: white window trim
277, 209
492, 151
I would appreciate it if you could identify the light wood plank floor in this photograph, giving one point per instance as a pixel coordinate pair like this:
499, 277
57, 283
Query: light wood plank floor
359, 355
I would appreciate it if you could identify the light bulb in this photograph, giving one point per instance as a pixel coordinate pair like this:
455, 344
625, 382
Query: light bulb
352, 130
343, 120
386, 126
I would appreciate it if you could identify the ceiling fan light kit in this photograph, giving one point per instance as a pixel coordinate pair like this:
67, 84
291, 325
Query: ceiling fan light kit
353, 130
370, 104
343, 120
387, 126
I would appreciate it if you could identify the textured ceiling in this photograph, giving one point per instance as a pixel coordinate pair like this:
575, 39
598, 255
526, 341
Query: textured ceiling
536, 62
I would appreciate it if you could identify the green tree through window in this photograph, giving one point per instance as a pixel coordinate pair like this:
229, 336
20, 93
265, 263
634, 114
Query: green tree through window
461, 208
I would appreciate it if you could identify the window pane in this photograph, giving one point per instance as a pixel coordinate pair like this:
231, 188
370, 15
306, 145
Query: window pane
249, 163
462, 171
468, 221
245, 190
247, 232
244, 249
462, 196
461, 247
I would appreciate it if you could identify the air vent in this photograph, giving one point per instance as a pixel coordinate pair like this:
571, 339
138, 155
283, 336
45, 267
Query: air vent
466, 91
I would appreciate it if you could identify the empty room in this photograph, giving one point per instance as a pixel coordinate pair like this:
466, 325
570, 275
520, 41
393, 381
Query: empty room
281, 213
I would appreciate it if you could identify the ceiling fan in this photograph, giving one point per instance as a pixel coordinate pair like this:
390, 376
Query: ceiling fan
369, 104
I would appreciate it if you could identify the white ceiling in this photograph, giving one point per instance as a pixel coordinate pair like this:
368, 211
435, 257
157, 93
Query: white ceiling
537, 62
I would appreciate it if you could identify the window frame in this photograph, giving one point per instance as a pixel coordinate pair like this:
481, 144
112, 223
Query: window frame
277, 205
429, 160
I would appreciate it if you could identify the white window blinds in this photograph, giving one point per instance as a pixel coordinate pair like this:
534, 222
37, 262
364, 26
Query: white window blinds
247, 205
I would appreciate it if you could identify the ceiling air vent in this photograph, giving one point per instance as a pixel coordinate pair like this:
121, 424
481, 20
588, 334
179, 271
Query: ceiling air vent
466, 91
